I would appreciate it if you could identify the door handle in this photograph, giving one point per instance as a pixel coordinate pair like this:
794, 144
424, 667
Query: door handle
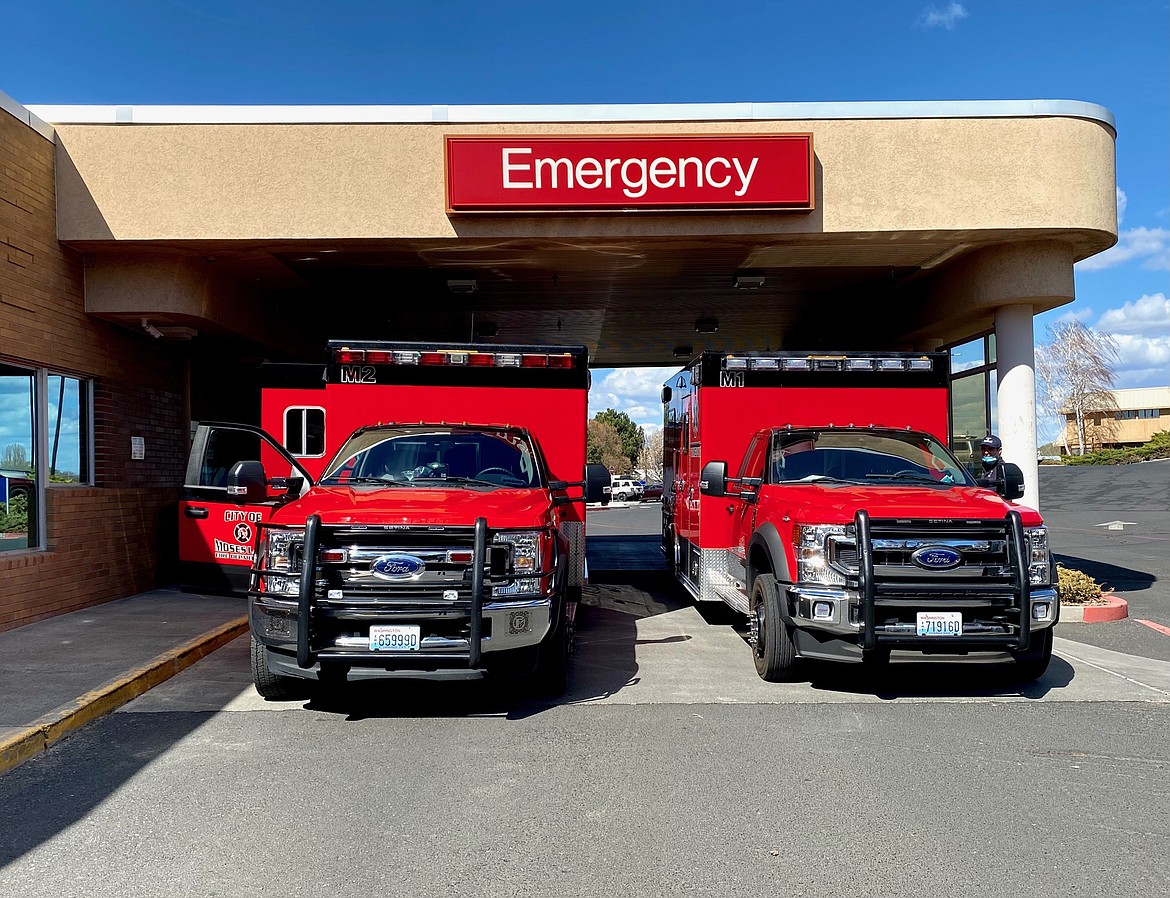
193, 512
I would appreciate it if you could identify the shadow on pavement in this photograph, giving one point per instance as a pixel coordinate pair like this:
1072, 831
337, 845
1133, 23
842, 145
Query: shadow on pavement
937, 679
1110, 576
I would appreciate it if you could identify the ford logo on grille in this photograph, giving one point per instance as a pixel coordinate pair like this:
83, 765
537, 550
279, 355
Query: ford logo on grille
937, 558
398, 566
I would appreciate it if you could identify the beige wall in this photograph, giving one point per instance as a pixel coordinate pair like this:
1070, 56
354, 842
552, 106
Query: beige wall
991, 178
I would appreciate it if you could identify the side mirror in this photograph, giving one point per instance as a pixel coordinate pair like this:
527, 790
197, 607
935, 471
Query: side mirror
597, 481
713, 479
246, 482
1013, 481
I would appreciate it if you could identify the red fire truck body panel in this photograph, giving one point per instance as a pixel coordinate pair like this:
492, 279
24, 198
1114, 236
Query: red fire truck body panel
814, 494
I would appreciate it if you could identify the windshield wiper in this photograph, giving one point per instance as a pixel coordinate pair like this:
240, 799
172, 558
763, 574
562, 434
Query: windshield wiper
333, 481
817, 478
904, 475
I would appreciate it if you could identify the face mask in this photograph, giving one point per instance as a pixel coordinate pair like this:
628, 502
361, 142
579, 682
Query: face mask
989, 459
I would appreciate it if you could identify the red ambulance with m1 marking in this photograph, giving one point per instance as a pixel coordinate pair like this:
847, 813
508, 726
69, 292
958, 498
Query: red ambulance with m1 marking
811, 493
422, 516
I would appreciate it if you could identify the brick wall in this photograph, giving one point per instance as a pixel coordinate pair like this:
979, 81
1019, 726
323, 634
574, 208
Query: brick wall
115, 538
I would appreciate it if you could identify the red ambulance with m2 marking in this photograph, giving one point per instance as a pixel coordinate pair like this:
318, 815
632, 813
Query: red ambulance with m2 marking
419, 520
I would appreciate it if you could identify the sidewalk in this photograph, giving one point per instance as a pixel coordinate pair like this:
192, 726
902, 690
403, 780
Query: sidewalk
59, 674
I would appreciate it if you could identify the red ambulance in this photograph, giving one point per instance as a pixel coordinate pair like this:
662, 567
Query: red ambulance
848, 529
421, 516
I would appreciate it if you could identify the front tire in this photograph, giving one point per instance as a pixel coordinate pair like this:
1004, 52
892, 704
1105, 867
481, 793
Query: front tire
269, 685
551, 677
775, 651
1032, 664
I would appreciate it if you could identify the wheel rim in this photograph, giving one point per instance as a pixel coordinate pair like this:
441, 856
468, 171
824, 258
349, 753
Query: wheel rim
761, 629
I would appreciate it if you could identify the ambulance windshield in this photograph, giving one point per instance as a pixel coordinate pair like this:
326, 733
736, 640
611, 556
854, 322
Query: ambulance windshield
435, 456
863, 456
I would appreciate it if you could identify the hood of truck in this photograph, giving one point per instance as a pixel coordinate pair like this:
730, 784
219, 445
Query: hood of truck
837, 503
420, 506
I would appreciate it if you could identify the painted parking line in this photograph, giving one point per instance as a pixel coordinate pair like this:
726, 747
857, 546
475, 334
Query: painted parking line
1165, 631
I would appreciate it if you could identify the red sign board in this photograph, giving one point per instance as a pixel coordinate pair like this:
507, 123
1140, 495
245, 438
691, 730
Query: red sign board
568, 174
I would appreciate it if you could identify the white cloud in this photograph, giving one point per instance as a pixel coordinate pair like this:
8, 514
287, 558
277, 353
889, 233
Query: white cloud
947, 17
635, 391
1151, 313
1122, 202
1145, 361
1149, 244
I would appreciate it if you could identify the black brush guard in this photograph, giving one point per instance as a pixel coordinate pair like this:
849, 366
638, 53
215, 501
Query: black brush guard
961, 594
308, 655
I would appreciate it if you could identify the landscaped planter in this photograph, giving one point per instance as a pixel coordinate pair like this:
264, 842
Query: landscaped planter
1113, 608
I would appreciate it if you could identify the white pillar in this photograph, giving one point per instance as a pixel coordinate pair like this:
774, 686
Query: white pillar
1016, 363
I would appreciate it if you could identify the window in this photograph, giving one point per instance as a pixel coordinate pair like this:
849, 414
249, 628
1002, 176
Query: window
974, 394
304, 432
45, 439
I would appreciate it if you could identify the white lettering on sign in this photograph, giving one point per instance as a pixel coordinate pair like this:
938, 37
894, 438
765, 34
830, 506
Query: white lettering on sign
731, 378
523, 172
358, 374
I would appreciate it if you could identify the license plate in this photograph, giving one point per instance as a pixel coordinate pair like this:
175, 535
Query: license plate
940, 623
395, 638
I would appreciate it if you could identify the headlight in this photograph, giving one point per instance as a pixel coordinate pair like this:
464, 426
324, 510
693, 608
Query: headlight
812, 559
281, 551
531, 554
1039, 558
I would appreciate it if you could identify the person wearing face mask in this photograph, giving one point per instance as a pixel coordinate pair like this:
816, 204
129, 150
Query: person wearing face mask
992, 451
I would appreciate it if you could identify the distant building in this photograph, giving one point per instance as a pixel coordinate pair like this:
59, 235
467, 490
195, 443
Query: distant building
1139, 414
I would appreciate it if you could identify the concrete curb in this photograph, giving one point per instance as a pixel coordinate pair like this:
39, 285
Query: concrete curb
1115, 608
15, 750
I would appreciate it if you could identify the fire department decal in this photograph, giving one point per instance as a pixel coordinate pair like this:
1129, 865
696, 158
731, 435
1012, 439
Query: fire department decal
243, 531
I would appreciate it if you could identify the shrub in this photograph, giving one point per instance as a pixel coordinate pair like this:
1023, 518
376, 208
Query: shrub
1076, 587
1157, 447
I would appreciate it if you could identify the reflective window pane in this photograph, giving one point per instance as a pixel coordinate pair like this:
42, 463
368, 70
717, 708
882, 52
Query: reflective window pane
967, 355
18, 505
68, 413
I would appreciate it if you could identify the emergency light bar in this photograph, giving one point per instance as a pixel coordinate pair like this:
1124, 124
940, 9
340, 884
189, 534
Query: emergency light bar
827, 363
461, 357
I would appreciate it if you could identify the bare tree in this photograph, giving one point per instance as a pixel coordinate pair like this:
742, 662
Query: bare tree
1074, 376
650, 458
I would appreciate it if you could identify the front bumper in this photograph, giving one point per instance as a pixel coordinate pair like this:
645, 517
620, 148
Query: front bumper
829, 612
341, 638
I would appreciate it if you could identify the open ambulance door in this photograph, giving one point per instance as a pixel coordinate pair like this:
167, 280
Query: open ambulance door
217, 532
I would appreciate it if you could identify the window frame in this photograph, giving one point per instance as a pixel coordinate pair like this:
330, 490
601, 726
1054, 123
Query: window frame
40, 438
304, 420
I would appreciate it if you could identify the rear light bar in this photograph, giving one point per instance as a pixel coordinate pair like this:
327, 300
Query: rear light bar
826, 363
460, 357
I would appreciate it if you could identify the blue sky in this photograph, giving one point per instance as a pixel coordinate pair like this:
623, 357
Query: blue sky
448, 51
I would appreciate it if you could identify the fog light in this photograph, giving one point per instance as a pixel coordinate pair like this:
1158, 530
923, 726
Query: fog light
1040, 611
822, 611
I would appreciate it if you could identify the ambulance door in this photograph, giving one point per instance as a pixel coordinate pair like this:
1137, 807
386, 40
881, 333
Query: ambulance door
217, 532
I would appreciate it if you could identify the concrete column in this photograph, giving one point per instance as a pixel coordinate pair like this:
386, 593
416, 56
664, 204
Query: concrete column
1016, 363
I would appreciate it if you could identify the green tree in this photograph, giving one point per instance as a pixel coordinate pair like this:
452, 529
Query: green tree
604, 447
631, 434
16, 520
15, 458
